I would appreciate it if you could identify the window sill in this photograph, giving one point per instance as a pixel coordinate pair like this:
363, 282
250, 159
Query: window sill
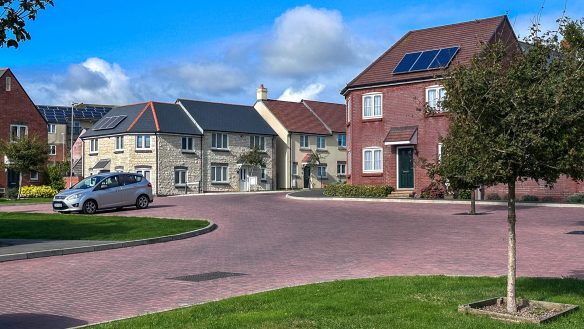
322, 150
220, 183
180, 185
143, 150
306, 149
118, 151
188, 151
341, 175
93, 153
342, 148
372, 174
219, 150
365, 120
437, 114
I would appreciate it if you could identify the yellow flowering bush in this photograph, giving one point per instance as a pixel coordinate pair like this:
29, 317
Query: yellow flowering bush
37, 192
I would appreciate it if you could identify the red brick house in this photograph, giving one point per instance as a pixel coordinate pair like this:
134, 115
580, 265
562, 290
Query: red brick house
18, 117
387, 131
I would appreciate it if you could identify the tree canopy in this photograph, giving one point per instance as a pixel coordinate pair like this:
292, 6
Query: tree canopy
15, 13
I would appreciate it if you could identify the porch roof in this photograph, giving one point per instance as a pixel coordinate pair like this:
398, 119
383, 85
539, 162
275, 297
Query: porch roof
405, 135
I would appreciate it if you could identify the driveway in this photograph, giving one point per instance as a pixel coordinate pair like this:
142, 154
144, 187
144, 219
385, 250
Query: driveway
276, 242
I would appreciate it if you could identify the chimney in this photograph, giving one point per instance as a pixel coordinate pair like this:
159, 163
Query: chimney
262, 93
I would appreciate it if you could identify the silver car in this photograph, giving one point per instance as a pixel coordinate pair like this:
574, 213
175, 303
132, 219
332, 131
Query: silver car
103, 191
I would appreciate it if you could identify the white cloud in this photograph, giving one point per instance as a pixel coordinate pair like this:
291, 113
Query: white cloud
308, 41
93, 81
309, 92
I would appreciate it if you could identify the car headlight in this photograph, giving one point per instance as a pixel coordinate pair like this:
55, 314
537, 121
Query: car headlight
74, 196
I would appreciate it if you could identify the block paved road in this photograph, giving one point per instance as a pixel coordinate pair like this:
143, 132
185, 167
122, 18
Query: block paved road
278, 242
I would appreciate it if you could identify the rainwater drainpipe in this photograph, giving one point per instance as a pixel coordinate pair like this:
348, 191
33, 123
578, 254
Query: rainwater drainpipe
201, 174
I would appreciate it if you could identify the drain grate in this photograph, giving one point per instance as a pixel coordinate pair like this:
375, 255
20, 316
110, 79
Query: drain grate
207, 276
576, 232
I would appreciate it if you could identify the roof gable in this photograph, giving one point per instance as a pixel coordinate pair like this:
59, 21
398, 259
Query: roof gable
226, 117
296, 117
469, 36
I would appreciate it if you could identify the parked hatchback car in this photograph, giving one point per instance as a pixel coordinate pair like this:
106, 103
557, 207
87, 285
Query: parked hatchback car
103, 191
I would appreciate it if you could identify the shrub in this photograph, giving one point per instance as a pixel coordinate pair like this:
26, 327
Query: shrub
37, 192
12, 193
55, 175
548, 198
576, 198
433, 191
529, 198
357, 191
463, 195
493, 196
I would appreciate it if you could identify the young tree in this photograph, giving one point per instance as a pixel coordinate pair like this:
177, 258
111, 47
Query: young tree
25, 154
517, 115
13, 19
254, 158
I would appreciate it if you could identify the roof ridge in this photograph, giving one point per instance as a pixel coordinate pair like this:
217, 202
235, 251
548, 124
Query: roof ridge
311, 100
209, 102
460, 23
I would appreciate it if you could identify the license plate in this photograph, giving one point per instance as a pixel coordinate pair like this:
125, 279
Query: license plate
57, 205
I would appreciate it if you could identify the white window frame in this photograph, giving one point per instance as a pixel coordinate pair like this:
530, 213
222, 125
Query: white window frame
8, 83
51, 128
348, 109
435, 103
18, 132
189, 140
182, 177
439, 152
338, 141
52, 149
342, 165
93, 146
258, 142
318, 142
303, 139
215, 139
294, 168
224, 170
119, 143
144, 171
141, 143
35, 177
320, 174
373, 150
372, 97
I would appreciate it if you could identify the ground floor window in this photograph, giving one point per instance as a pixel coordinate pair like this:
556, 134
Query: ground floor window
52, 149
180, 176
372, 160
34, 176
341, 168
263, 174
219, 174
144, 172
321, 171
295, 168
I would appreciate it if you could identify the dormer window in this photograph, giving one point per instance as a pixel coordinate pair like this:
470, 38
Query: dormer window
434, 97
8, 83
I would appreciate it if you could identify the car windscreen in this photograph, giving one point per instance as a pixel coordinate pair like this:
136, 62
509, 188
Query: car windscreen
88, 182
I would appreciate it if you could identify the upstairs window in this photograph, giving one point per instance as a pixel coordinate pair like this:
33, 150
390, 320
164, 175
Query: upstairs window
52, 128
372, 106
143, 142
219, 141
119, 143
93, 146
187, 144
17, 132
342, 140
8, 83
320, 142
434, 97
304, 144
257, 142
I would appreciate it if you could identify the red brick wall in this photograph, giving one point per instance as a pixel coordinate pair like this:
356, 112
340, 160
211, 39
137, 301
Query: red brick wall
17, 108
61, 154
401, 107
563, 188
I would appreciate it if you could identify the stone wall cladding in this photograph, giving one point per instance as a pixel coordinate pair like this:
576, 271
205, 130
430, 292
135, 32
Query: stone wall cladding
238, 144
172, 156
129, 158
400, 107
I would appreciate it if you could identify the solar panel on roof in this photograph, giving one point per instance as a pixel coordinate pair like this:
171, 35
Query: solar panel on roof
426, 60
109, 122
444, 57
406, 63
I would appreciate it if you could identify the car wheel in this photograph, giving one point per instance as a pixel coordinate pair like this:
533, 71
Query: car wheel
89, 207
142, 202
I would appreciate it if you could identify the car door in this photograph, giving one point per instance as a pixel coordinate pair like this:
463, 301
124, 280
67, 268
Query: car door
108, 193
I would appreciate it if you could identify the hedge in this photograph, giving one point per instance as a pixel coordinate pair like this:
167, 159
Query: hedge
357, 191
37, 192
576, 198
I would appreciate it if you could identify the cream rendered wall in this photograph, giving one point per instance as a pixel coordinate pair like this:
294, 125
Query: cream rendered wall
58, 136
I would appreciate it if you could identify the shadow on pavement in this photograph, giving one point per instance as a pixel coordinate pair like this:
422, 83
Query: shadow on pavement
34, 320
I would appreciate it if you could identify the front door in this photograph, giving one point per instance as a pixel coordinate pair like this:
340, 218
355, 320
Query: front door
243, 180
13, 178
306, 177
405, 168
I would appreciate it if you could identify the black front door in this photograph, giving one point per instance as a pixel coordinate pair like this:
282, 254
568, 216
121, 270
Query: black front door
405, 168
306, 177
12, 179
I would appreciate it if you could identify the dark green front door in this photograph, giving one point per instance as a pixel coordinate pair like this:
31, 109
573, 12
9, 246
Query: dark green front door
307, 177
405, 168
13, 179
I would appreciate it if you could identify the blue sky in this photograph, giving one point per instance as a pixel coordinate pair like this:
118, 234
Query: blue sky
116, 52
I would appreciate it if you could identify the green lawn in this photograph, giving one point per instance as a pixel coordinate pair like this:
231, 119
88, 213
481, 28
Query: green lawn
83, 227
33, 200
393, 302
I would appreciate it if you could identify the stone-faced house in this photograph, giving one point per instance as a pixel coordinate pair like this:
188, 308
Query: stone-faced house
18, 117
305, 128
184, 147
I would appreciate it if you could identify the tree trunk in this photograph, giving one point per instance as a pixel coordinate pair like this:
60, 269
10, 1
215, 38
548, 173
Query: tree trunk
473, 199
19, 185
511, 251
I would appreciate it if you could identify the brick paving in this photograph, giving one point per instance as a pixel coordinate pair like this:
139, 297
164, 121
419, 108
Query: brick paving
279, 242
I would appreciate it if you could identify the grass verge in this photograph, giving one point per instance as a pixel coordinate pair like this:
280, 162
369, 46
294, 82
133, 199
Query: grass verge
82, 227
392, 302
